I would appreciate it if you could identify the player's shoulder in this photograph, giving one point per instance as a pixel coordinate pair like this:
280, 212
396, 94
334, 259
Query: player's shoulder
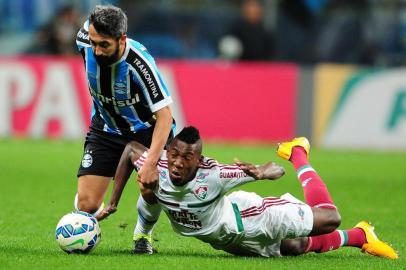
136, 46
82, 37
209, 168
136, 49
163, 160
208, 163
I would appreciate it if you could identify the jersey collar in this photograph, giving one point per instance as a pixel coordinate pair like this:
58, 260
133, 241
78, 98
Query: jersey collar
126, 50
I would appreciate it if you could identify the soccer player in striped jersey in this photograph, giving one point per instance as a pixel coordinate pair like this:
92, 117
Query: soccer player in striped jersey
130, 103
192, 191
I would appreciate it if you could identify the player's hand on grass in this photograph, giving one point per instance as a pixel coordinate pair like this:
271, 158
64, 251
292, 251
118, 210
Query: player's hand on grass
107, 211
269, 170
148, 175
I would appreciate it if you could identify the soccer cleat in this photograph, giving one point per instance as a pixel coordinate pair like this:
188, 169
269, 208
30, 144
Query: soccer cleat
285, 149
374, 246
143, 244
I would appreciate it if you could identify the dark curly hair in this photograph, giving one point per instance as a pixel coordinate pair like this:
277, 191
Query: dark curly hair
109, 20
189, 135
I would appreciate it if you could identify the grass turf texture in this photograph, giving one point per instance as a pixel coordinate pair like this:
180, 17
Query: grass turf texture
38, 184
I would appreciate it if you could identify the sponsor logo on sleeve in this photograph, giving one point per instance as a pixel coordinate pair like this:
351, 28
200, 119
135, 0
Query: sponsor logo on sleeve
301, 213
201, 177
163, 175
232, 174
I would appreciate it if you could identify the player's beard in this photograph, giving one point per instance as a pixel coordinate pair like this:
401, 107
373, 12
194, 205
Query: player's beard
103, 60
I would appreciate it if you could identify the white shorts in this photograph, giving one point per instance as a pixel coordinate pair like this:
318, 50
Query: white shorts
267, 221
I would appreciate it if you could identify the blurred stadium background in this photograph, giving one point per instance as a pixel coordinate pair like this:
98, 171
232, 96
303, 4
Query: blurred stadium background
328, 69
332, 70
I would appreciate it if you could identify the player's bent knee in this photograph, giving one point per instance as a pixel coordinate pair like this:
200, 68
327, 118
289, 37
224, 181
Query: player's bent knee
332, 220
87, 205
335, 219
294, 247
325, 220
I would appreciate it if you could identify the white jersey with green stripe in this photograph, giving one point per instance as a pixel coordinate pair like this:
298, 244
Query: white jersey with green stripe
200, 208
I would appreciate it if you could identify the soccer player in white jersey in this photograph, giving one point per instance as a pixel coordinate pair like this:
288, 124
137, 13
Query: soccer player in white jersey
192, 191
130, 103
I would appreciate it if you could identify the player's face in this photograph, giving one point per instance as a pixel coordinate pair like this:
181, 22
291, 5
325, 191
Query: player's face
183, 161
105, 48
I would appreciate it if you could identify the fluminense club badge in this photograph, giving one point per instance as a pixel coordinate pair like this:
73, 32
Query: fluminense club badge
201, 192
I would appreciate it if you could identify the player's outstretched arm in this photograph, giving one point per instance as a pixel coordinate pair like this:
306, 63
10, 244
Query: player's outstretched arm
269, 170
132, 153
148, 174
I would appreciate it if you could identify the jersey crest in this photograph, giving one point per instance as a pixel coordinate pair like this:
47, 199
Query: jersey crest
201, 191
120, 87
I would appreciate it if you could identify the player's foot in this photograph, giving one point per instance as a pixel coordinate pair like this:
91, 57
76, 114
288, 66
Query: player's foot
374, 246
143, 244
285, 149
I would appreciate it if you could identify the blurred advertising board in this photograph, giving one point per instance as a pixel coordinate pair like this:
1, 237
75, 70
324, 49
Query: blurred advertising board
359, 108
43, 97
48, 97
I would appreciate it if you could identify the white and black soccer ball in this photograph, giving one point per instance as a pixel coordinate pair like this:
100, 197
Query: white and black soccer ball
78, 232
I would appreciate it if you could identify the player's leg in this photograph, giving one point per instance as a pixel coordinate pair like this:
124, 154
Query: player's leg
323, 243
326, 216
100, 158
148, 213
147, 206
362, 236
91, 192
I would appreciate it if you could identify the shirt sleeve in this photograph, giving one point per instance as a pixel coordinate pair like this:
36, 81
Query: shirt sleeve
147, 75
231, 176
140, 161
82, 37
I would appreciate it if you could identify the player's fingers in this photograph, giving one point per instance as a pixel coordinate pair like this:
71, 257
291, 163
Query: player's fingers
102, 215
150, 184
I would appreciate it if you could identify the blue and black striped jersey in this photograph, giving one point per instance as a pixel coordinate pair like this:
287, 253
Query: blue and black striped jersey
126, 94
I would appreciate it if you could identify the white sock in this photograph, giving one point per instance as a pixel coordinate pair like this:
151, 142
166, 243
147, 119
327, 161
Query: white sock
148, 215
75, 204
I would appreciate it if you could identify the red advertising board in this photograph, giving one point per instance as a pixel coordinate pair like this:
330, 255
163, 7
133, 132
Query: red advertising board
44, 96
245, 101
48, 97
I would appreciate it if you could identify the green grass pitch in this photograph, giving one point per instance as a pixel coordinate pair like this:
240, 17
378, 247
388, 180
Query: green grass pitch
38, 184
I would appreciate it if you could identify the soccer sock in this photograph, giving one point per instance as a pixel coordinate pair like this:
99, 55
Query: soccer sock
334, 240
148, 215
75, 203
315, 191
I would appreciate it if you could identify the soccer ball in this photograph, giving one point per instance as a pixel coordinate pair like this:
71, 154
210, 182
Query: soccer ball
78, 232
